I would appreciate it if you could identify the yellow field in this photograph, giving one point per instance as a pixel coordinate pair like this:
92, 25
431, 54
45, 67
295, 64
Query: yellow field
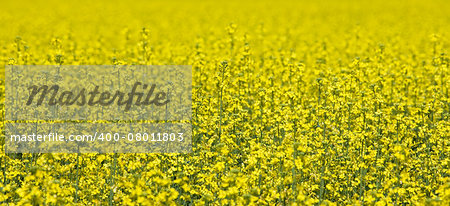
294, 103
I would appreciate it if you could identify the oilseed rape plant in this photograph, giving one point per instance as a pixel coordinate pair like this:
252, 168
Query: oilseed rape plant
293, 102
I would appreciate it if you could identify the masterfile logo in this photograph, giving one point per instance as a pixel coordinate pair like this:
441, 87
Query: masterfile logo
94, 97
